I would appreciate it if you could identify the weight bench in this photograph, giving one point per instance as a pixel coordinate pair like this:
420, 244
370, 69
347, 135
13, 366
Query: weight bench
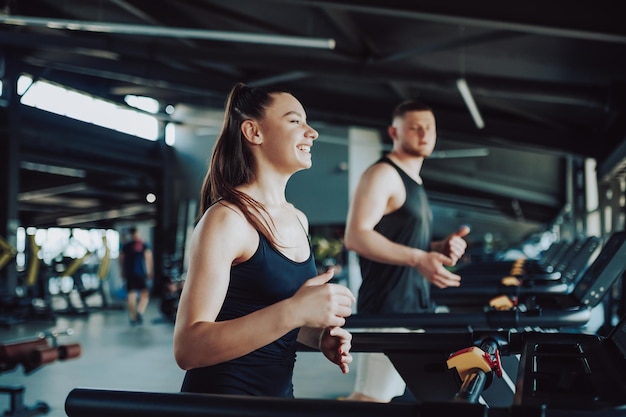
32, 354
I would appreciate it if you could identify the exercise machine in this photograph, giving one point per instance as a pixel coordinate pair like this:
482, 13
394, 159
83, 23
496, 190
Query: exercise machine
521, 310
31, 354
563, 279
448, 371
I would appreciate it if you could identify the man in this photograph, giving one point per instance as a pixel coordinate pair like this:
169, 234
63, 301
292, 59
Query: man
390, 226
137, 267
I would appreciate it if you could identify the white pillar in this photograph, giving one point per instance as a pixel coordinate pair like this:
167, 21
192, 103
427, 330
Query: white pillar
365, 147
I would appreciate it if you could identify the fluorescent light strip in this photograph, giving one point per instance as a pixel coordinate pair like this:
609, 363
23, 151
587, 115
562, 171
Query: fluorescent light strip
461, 84
121, 28
53, 169
127, 211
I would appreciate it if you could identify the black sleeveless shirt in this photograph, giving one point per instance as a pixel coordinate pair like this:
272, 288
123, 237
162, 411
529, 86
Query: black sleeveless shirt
392, 288
264, 279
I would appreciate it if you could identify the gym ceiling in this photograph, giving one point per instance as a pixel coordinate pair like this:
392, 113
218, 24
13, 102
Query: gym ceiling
548, 78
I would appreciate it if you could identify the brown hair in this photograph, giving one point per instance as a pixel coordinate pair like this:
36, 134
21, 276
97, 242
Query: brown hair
409, 105
232, 163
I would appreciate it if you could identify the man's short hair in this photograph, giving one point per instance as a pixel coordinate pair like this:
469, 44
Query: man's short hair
410, 105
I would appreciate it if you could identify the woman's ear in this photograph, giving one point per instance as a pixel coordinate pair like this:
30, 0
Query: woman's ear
251, 132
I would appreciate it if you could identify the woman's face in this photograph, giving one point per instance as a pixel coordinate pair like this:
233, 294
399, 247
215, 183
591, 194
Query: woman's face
286, 137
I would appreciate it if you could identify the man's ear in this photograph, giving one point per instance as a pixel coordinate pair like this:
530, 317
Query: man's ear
251, 132
392, 132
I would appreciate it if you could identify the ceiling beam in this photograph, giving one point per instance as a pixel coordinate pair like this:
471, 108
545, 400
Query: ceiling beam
493, 187
581, 20
168, 32
454, 43
497, 87
138, 71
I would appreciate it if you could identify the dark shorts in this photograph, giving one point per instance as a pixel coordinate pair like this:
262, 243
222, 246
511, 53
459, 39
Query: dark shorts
136, 283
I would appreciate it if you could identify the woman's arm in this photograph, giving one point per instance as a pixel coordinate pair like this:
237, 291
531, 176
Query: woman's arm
201, 341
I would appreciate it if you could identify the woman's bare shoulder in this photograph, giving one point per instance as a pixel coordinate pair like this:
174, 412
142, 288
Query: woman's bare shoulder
224, 217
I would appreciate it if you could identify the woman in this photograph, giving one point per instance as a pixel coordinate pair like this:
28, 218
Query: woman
252, 290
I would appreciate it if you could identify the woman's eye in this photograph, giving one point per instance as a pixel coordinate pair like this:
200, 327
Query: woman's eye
295, 121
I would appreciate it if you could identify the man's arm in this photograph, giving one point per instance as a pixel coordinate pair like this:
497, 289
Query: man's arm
377, 191
380, 191
149, 258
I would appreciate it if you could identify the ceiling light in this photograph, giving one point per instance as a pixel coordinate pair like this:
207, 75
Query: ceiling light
461, 84
147, 104
53, 169
163, 31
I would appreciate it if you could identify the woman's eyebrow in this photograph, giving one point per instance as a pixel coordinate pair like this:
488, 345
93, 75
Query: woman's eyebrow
293, 112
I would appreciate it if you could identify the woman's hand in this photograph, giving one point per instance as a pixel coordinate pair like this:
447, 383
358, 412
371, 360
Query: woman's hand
319, 304
335, 344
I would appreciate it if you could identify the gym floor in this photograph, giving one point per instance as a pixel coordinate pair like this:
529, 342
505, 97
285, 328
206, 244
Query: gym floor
116, 356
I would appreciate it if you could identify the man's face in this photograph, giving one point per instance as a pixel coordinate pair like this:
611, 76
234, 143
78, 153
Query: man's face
415, 133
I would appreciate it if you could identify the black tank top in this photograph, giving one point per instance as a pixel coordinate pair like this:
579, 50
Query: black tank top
264, 279
392, 288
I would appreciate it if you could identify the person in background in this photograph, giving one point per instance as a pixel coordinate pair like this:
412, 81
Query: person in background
252, 291
389, 226
137, 265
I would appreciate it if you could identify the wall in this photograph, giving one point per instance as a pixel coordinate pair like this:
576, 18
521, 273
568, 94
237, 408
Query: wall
321, 192
365, 148
193, 151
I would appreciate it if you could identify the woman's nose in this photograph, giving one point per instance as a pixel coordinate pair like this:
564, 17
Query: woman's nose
312, 133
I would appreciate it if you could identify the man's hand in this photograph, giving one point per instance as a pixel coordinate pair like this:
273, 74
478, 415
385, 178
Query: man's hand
454, 245
432, 266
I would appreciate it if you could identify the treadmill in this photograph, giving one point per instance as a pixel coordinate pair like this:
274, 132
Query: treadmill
560, 375
568, 371
577, 256
544, 264
529, 309
577, 269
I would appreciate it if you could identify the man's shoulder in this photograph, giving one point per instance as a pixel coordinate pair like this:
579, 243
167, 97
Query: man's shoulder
383, 169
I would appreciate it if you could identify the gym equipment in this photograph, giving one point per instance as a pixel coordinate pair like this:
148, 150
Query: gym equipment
35, 285
588, 290
7, 252
170, 297
78, 269
544, 265
547, 310
32, 354
476, 290
437, 377
103, 274
556, 370
29, 300
475, 367
73, 270
575, 258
